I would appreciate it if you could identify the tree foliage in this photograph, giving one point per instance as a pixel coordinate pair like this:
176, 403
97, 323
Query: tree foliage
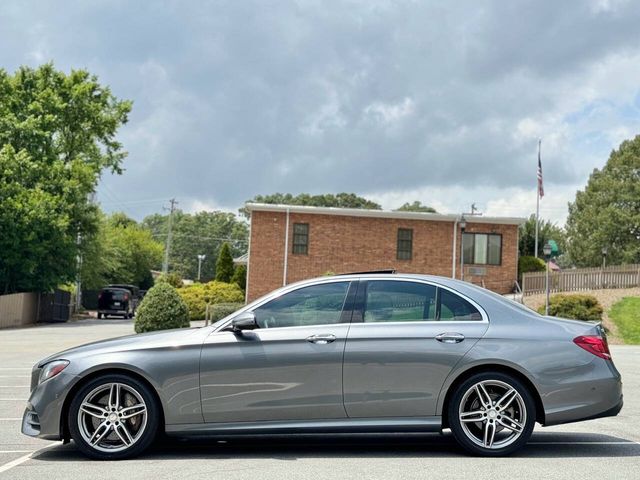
546, 231
416, 206
240, 277
224, 264
57, 134
607, 213
199, 233
339, 200
120, 252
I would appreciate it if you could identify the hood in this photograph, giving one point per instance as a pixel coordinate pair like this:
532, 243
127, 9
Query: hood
164, 338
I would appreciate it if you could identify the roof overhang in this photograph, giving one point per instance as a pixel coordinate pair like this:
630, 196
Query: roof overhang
360, 212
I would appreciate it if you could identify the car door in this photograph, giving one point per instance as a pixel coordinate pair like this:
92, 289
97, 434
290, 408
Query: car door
290, 368
405, 339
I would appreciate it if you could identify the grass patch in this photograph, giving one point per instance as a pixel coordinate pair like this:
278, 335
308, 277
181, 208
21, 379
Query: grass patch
626, 315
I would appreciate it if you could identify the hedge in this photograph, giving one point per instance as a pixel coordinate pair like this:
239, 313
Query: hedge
221, 310
579, 307
198, 295
528, 264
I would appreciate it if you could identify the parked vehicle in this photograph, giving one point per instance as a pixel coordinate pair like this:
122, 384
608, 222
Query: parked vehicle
116, 302
133, 289
352, 353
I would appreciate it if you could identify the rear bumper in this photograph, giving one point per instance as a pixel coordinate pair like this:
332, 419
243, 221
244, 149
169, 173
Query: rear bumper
589, 399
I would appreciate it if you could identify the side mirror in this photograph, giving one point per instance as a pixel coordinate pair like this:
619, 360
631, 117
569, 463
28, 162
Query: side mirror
244, 321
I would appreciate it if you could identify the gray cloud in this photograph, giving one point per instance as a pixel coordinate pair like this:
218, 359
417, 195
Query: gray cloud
238, 98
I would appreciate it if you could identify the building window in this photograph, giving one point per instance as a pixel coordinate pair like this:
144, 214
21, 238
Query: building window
301, 238
405, 243
482, 248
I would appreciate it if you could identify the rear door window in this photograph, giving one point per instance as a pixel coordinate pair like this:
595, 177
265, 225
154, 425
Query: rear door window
399, 301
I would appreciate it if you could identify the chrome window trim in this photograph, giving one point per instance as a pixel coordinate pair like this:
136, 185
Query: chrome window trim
394, 277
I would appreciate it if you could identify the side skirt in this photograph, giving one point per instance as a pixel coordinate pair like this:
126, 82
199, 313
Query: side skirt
346, 425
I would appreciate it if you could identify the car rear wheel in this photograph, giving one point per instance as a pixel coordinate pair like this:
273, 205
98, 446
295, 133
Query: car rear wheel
492, 414
113, 417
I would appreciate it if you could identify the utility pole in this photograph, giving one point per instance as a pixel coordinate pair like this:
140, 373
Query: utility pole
167, 248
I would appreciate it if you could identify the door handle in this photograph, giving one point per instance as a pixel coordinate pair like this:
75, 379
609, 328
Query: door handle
450, 337
321, 339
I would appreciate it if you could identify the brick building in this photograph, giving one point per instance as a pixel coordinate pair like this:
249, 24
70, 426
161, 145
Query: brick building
339, 240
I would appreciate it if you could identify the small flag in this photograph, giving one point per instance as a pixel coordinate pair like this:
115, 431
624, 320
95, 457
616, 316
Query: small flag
540, 186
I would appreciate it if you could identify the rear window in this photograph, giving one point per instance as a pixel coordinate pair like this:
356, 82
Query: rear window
113, 295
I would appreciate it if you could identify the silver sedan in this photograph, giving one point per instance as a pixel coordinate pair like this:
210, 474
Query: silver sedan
350, 353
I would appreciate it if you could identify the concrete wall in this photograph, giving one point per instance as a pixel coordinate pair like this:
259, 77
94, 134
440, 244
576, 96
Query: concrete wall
342, 244
18, 309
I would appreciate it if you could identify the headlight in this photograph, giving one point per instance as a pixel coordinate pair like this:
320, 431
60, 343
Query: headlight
52, 369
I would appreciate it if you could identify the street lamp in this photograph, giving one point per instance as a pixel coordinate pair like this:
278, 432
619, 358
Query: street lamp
547, 255
463, 225
604, 257
201, 257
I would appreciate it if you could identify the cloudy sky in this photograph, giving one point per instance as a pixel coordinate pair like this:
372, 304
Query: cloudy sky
441, 102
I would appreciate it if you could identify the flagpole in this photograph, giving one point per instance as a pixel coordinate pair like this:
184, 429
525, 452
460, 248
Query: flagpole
537, 202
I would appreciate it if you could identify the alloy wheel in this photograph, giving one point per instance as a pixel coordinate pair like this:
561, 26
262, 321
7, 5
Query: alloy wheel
112, 417
492, 414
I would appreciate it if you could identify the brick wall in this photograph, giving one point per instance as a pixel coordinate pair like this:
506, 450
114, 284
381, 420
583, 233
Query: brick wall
345, 244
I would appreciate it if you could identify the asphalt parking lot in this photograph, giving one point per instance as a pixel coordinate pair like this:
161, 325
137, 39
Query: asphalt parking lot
603, 448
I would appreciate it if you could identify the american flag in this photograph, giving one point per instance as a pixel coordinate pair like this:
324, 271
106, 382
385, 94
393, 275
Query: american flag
540, 186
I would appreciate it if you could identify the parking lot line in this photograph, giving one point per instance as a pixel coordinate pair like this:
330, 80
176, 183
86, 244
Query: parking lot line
10, 419
24, 458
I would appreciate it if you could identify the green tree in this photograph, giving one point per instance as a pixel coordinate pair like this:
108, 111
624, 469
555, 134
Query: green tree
224, 264
200, 233
416, 206
240, 277
120, 252
607, 213
546, 231
57, 134
339, 200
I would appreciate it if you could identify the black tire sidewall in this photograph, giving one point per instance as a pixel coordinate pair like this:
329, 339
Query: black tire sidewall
456, 427
153, 417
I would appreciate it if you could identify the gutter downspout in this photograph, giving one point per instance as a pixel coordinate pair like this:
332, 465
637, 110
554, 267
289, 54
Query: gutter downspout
246, 289
455, 241
286, 250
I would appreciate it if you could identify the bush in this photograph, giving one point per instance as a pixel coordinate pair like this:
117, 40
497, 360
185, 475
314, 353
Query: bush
172, 279
529, 264
198, 295
221, 310
579, 307
161, 309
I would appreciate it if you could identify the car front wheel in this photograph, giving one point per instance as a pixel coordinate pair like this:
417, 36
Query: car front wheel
113, 417
492, 414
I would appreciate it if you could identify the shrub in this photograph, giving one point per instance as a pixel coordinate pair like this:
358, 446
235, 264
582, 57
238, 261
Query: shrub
529, 264
160, 309
579, 307
198, 295
221, 310
172, 279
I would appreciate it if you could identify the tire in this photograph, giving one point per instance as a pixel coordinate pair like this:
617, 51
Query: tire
99, 316
99, 432
511, 416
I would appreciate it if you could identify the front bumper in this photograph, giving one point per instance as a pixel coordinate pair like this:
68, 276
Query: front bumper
42, 417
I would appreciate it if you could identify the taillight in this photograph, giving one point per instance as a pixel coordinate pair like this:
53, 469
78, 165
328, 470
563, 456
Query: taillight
594, 344
126, 296
99, 295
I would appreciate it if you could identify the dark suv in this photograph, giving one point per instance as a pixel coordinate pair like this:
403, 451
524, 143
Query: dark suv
116, 301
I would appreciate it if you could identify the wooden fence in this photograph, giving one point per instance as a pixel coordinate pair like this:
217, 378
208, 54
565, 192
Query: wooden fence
617, 276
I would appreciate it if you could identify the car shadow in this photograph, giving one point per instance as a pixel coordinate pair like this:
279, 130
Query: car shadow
541, 445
